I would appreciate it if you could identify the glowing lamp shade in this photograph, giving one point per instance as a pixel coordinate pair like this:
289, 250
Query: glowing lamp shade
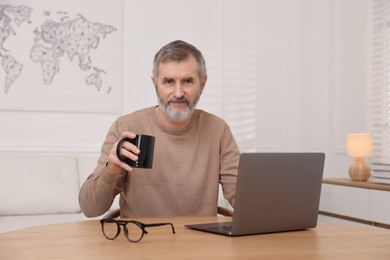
359, 145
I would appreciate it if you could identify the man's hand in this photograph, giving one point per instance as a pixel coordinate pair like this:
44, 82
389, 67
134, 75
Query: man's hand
127, 150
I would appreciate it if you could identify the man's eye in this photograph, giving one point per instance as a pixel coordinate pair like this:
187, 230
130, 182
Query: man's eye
188, 81
168, 81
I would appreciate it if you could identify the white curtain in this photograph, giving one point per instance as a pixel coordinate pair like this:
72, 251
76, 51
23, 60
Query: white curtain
380, 80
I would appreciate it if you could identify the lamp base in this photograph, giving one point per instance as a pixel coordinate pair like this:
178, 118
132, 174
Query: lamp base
359, 171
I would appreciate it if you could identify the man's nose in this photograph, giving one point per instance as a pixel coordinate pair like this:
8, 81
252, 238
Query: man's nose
178, 90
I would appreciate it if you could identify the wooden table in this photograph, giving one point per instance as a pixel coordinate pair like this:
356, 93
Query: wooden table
84, 240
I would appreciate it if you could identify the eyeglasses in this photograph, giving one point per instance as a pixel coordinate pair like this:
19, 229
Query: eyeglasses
134, 230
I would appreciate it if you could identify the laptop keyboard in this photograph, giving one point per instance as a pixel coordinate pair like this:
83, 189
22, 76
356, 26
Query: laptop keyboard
224, 227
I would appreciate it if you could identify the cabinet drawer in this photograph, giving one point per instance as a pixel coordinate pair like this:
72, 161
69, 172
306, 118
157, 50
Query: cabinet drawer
347, 201
380, 206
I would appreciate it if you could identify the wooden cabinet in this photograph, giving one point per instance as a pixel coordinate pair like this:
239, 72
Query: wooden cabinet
363, 202
380, 206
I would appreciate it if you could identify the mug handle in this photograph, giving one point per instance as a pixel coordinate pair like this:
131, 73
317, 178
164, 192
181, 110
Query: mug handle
118, 148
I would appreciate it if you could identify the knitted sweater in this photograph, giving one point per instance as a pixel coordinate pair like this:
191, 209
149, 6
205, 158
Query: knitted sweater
187, 168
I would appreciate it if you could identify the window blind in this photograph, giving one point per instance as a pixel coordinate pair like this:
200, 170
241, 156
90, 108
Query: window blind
380, 81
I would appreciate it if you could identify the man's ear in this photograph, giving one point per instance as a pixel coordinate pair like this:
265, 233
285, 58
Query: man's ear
203, 85
154, 82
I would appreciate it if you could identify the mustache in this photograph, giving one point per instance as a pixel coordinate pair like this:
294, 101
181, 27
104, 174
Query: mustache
178, 100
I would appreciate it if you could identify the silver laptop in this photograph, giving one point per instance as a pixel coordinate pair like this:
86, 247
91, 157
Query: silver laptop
275, 192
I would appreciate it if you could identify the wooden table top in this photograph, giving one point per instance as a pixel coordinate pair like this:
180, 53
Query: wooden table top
84, 240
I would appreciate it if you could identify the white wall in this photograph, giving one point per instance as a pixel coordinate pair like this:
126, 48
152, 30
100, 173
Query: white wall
287, 75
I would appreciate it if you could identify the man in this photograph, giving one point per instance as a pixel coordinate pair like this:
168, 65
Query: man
194, 150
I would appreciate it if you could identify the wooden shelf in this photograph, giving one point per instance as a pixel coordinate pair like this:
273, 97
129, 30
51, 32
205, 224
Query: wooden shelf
359, 184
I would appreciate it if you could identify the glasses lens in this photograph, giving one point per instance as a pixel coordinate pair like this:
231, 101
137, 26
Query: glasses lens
133, 232
110, 229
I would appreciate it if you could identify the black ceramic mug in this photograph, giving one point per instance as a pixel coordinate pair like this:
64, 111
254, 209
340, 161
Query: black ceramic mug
145, 143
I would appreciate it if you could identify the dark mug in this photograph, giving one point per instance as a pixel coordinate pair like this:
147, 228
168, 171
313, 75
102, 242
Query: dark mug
145, 143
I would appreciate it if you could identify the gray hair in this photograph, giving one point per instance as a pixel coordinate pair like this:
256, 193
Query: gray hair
178, 51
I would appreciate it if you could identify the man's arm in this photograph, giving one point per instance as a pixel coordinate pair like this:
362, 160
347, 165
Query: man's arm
99, 190
229, 159
107, 180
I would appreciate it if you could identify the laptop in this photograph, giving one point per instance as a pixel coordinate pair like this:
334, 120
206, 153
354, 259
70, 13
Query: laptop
275, 192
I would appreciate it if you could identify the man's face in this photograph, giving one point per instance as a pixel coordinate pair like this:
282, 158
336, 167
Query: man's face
178, 88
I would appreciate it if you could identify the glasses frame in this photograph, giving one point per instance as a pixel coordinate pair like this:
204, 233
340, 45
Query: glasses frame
123, 223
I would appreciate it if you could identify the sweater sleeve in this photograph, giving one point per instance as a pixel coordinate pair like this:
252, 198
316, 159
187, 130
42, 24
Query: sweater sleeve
99, 190
229, 158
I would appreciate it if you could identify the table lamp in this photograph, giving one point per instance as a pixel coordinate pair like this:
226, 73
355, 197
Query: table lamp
359, 145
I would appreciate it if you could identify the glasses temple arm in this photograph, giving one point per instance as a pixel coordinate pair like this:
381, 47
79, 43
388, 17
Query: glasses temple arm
160, 224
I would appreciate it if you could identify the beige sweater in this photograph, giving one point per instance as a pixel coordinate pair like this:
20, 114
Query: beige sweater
187, 167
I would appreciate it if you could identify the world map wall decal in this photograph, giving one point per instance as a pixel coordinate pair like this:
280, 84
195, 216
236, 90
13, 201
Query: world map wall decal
11, 15
55, 56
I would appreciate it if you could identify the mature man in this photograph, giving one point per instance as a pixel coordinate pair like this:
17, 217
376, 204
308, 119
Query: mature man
194, 150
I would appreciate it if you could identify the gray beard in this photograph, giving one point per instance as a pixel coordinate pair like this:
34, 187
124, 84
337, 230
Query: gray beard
181, 115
